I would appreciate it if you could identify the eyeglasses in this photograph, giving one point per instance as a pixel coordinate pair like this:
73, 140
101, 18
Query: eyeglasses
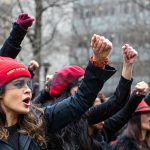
19, 83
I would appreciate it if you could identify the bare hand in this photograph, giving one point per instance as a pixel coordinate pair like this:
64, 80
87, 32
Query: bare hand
101, 47
129, 54
141, 88
48, 79
33, 65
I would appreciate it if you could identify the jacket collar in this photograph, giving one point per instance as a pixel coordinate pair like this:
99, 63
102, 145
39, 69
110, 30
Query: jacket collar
27, 143
24, 142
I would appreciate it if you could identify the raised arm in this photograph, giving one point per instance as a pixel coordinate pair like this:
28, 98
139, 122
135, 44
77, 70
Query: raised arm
121, 95
11, 46
117, 121
72, 108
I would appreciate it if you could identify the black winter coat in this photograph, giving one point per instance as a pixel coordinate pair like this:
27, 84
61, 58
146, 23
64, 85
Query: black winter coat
57, 116
11, 46
128, 143
75, 135
117, 121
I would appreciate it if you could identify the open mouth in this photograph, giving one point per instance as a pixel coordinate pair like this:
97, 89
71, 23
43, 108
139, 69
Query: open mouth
27, 101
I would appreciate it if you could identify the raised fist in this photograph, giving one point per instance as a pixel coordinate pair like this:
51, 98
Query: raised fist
129, 54
101, 47
141, 88
24, 20
33, 65
48, 79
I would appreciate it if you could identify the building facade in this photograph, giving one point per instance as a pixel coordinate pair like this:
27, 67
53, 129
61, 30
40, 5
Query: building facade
121, 21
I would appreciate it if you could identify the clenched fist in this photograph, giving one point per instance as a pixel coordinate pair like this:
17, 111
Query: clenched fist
24, 20
101, 47
33, 65
141, 88
129, 54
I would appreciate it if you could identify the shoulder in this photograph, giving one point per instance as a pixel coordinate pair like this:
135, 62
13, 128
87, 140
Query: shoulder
126, 143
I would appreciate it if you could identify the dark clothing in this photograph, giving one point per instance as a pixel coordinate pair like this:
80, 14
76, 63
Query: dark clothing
12, 47
13, 138
129, 143
25, 143
57, 116
41, 98
75, 135
147, 98
113, 104
117, 121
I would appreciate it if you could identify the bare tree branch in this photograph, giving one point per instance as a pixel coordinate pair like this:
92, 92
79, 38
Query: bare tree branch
20, 6
57, 4
52, 34
142, 5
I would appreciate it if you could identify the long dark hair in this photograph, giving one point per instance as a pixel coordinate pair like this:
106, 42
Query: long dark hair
73, 135
134, 130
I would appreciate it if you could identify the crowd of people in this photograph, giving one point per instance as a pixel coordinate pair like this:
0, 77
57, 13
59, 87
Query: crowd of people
71, 112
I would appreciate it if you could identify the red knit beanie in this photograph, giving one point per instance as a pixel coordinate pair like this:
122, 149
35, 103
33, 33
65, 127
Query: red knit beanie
11, 69
64, 77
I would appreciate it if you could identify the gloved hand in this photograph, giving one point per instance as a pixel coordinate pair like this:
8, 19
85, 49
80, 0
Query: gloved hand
24, 20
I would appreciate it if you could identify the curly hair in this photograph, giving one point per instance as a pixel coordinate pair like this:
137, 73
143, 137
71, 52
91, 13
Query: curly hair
31, 124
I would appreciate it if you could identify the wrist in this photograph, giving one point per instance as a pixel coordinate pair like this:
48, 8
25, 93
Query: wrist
100, 64
22, 27
127, 65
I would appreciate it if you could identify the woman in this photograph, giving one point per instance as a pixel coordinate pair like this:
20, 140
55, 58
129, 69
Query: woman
103, 133
75, 135
137, 133
24, 126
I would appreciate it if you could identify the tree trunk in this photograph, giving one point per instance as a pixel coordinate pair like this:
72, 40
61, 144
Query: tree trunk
37, 44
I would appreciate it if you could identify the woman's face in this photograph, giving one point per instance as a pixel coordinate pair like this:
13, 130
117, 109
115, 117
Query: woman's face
17, 95
145, 121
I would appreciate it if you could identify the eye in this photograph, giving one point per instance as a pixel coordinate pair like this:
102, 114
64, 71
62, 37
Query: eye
19, 83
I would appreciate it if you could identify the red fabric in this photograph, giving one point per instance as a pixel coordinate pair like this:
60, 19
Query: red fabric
143, 107
24, 20
99, 64
113, 142
64, 77
11, 69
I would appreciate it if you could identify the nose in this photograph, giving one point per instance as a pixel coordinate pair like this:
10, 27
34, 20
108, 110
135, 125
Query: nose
27, 89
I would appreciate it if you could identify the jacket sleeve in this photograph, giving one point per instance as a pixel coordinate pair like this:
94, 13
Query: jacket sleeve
41, 97
112, 105
62, 113
147, 98
117, 121
11, 46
